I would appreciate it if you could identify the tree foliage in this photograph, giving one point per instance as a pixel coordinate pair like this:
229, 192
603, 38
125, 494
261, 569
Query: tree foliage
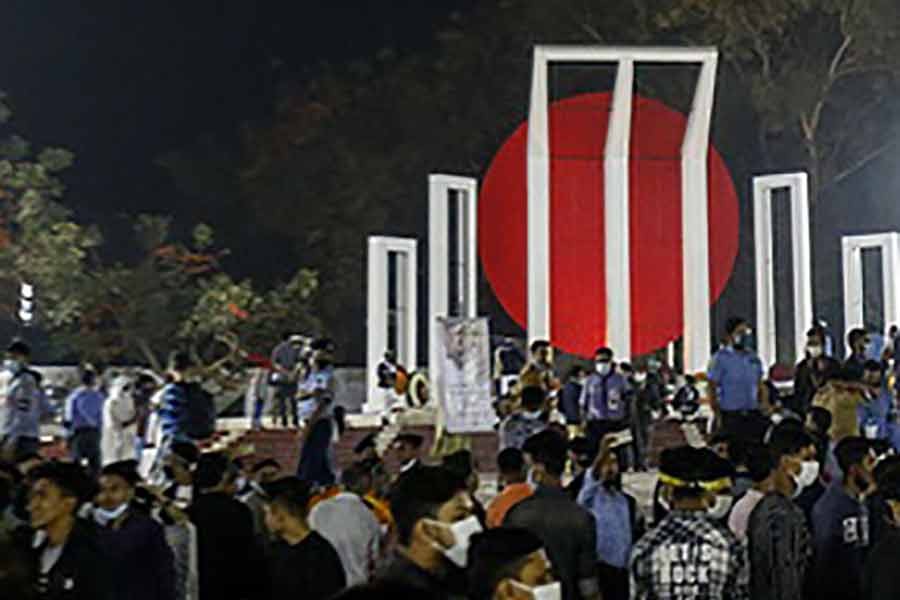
171, 294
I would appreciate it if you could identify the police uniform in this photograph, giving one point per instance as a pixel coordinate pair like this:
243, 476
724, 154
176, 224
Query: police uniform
736, 375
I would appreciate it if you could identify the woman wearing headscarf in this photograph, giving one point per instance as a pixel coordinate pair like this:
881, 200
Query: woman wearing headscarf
119, 422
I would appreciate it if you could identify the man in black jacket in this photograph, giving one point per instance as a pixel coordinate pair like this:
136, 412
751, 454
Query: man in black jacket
140, 560
881, 578
227, 554
70, 564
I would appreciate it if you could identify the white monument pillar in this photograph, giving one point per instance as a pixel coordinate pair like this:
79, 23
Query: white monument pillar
464, 274
695, 219
854, 299
763, 188
378, 315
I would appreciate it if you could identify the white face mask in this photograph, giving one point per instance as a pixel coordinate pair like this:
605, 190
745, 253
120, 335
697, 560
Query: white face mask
104, 517
809, 472
12, 365
720, 508
640, 377
462, 532
534, 416
240, 483
814, 351
548, 591
603, 368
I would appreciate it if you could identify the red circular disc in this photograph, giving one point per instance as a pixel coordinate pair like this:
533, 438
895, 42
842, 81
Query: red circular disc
577, 138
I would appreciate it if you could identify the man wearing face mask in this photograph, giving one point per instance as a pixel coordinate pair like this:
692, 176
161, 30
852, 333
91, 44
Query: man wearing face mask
605, 399
735, 373
812, 373
858, 343
875, 413
881, 577
529, 420
619, 522
777, 536
566, 529
510, 564
433, 514
22, 404
140, 560
691, 554
841, 525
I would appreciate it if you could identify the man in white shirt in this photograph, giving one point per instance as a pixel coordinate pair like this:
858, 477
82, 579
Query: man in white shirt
350, 526
761, 465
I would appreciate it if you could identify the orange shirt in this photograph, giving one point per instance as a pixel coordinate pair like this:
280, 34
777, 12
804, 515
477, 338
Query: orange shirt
509, 497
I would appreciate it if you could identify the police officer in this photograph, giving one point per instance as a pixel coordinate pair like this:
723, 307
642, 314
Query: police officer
735, 372
691, 554
605, 399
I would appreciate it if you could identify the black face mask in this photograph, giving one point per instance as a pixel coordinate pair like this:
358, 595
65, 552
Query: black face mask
169, 472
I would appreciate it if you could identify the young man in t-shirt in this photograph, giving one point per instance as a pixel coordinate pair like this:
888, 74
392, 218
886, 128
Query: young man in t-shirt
301, 563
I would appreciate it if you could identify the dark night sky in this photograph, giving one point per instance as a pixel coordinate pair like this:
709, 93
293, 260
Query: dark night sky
123, 85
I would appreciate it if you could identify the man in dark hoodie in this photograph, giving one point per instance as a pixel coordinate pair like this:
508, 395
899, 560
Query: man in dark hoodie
70, 564
141, 562
841, 524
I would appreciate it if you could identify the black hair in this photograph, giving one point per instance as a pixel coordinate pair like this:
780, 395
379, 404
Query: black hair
550, 451
459, 463
126, 469
604, 351
495, 555
355, 475
851, 451
816, 331
419, 494
290, 493
510, 461
855, 335
186, 451
538, 345
533, 398
760, 462
821, 418
70, 478
88, 377
179, 361
788, 440
873, 365
266, 462
19, 347
212, 469
733, 323
575, 370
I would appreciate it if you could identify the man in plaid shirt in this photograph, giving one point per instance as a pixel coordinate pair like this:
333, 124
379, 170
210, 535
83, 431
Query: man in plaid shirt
691, 555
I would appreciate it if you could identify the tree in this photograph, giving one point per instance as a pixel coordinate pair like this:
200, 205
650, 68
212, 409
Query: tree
172, 294
822, 74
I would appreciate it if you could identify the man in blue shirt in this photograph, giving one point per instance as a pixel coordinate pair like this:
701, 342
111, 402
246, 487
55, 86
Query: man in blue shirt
85, 415
735, 372
841, 524
173, 414
605, 399
22, 404
617, 519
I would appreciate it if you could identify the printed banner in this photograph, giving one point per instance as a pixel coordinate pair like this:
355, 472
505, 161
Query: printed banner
464, 388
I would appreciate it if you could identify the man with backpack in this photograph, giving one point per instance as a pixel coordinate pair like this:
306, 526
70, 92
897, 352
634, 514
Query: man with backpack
188, 411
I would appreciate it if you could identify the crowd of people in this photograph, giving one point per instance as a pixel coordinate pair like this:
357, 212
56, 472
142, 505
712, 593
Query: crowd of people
795, 496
